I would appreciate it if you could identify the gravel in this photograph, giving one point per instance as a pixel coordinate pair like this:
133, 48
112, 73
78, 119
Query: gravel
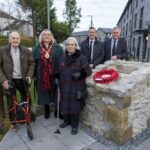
130, 145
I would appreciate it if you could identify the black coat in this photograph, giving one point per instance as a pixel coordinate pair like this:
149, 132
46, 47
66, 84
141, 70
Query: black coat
69, 87
121, 50
98, 51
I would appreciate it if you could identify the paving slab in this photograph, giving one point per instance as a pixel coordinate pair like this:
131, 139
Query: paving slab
78, 141
12, 141
97, 146
44, 137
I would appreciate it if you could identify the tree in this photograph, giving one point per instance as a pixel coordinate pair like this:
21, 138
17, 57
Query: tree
37, 10
72, 14
60, 31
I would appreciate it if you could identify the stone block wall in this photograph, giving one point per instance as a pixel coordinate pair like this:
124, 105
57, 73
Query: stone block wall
119, 110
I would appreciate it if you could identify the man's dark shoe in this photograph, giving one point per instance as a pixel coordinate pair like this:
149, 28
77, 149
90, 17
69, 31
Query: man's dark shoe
74, 131
64, 125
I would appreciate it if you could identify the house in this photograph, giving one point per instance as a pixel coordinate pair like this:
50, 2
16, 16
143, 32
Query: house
135, 24
10, 23
102, 34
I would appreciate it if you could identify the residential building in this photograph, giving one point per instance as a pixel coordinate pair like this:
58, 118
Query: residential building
135, 25
102, 34
10, 23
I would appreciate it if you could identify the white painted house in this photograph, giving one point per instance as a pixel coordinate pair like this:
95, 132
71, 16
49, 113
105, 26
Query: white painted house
9, 23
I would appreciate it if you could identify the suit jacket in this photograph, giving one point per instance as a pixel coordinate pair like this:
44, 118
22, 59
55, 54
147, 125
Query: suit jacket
121, 49
98, 51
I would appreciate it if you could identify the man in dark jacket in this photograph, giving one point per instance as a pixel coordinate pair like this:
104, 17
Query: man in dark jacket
115, 48
93, 49
16, 65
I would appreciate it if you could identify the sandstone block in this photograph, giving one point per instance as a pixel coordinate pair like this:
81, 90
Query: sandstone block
118, 118
120, 136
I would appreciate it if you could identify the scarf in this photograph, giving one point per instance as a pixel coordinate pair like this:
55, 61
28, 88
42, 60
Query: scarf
46, 68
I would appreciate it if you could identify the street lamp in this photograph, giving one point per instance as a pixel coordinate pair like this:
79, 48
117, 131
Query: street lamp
147, 38
48, 14
91, 24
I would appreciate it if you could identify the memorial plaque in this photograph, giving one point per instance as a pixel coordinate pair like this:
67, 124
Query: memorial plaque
123, 69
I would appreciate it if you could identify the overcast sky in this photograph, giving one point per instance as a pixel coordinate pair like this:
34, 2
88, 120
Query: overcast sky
106, 13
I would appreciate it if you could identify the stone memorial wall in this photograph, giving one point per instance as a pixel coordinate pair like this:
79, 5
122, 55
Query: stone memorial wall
119, 110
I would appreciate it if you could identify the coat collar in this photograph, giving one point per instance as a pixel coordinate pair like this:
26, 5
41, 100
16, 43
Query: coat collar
21, 49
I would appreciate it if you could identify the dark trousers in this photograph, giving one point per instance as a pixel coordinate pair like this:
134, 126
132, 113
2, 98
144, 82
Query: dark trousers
72, 118
10, 93
46, 109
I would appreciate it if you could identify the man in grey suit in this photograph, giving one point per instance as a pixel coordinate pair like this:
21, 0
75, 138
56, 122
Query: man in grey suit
115, 48
92, 48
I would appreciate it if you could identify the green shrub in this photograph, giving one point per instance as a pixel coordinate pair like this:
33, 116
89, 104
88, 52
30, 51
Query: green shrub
25, 41
3, 40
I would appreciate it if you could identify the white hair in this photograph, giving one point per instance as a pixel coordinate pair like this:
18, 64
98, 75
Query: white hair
12, 33
73, 39
41, 35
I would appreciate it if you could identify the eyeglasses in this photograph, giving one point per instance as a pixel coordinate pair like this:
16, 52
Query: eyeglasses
70, 44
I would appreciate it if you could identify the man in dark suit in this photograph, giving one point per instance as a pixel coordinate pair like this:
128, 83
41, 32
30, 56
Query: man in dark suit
92, 48
115, 48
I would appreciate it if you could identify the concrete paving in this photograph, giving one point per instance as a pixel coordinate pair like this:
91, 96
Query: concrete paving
46, 139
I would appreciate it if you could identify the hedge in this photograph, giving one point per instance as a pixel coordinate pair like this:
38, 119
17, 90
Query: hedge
25, 41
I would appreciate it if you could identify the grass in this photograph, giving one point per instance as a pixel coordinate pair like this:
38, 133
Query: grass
6, 126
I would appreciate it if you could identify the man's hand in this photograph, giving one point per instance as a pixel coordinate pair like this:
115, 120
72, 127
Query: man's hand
114, 58
5, 84
29, 80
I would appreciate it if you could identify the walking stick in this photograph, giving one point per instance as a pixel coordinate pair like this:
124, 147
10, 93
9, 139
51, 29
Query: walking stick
58, 100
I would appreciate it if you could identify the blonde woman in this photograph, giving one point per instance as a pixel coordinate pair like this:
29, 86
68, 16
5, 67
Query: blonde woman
46, 55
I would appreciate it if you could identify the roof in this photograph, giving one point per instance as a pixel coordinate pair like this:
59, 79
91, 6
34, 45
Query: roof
105, 30
6, 16
16, 24
80, 33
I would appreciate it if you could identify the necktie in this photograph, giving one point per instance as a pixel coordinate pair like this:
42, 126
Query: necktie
114, 48
91, 52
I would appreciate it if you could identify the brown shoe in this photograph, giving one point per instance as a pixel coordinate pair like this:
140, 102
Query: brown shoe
13, 127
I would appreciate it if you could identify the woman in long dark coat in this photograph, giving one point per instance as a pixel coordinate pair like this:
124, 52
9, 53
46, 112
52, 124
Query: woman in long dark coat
46, 55
73, 69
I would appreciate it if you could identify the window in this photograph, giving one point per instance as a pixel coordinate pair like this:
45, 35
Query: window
130, 26
136, 3
126, 28
138, 47
133, 46
141, 18
127, 12
124, 31
135, 20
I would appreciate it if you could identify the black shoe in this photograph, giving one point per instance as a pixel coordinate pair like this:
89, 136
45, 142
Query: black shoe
46, 112
74, 131
64, 125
